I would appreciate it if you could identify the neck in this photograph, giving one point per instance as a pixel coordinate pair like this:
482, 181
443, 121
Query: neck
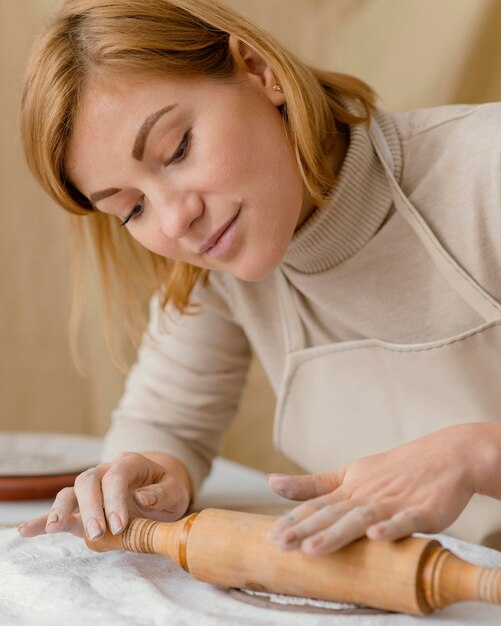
335, 156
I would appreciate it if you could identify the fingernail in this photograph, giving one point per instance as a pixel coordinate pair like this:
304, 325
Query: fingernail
145, 498
93, 529
115, 523
52, 519
22, 526
312, 545
289, 536
378, 531
317, 542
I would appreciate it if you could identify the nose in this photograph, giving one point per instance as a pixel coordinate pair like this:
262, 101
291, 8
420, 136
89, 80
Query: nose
177, 212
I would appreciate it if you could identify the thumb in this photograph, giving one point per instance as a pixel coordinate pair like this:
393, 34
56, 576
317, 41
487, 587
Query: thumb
307, 486
164, 501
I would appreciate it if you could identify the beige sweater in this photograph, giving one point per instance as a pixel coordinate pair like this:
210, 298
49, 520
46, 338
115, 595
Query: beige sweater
359, 270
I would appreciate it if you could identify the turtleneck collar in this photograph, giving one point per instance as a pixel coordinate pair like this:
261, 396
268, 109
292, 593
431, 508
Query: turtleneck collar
355, 209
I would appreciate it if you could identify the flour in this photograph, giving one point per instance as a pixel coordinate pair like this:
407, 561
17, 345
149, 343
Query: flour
299, 601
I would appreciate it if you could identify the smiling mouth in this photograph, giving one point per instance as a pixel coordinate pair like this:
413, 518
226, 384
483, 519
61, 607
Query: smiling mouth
217, 236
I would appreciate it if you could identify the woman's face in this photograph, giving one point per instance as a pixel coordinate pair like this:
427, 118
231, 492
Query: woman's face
200, 171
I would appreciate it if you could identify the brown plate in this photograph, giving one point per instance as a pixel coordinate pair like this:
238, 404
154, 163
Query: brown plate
34, 487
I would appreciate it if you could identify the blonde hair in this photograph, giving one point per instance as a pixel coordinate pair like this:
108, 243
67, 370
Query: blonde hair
182, 38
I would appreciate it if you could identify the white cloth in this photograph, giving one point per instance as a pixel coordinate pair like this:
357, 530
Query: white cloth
54, 580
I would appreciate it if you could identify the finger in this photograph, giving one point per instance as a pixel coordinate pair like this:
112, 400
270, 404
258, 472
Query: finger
33, 527
291, 537
73, 525
307, 486
63, 506
402, 524
90, 501
348, 528
56, 520
303, 511
164, 501
128, 471
70, 523
300, 513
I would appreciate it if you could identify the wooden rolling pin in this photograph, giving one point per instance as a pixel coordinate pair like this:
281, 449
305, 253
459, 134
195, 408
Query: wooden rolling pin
413, 575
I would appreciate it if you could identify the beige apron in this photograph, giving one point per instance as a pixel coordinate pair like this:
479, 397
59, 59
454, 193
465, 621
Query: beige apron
341, 401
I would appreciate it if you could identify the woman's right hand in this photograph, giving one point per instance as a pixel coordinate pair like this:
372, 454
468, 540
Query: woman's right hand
110, 494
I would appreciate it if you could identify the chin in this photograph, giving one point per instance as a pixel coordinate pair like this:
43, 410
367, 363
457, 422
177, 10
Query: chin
259, 270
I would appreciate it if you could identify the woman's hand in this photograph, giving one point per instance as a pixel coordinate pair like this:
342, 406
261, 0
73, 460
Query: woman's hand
422, 486
130, 486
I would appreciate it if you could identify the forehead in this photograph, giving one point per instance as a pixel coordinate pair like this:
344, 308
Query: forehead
111, 110
104, 98
119, 104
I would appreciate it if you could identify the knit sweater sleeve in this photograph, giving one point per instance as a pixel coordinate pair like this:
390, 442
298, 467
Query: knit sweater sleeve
184, 389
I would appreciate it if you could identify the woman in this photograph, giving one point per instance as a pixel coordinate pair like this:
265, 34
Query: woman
355, 251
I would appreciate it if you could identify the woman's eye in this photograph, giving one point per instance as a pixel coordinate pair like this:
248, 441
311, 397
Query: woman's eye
182, 150
178, 155
137, 209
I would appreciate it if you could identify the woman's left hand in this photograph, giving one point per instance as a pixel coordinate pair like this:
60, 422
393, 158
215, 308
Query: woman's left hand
421, 486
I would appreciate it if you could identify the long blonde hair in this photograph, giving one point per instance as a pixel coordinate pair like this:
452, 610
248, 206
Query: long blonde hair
181, 38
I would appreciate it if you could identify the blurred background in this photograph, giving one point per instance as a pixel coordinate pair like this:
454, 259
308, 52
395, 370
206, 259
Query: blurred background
415, 53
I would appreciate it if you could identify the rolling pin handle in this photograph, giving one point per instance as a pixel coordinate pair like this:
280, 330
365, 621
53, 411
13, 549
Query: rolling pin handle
447, 579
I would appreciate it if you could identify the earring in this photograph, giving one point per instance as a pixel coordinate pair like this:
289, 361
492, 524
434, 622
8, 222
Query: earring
277, 87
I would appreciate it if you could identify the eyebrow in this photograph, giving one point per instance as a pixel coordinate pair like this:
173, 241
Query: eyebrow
138, 149
101, 195
144, 131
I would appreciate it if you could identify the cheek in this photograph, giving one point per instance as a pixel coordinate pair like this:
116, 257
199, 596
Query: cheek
154, 240
227, 163
255, 167
247, 146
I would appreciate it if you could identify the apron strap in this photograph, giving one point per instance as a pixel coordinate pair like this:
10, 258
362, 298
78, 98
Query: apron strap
464, 284
293, 327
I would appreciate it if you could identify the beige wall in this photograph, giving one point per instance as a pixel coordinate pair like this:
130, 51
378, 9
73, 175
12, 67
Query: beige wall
414, 52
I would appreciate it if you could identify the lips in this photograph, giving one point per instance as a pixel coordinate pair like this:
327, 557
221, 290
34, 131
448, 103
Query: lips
217, 235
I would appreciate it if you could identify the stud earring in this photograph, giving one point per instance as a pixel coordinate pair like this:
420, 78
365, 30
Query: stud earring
277, 87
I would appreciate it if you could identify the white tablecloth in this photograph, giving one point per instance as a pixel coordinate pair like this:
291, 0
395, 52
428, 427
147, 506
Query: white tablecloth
55, 580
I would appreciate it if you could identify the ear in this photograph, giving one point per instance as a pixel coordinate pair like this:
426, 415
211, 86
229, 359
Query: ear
248, 61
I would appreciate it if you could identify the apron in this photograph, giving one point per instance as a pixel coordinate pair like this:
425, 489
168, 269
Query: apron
342, 401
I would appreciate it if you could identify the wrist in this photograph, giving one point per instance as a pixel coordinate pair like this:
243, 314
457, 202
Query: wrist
483, 456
